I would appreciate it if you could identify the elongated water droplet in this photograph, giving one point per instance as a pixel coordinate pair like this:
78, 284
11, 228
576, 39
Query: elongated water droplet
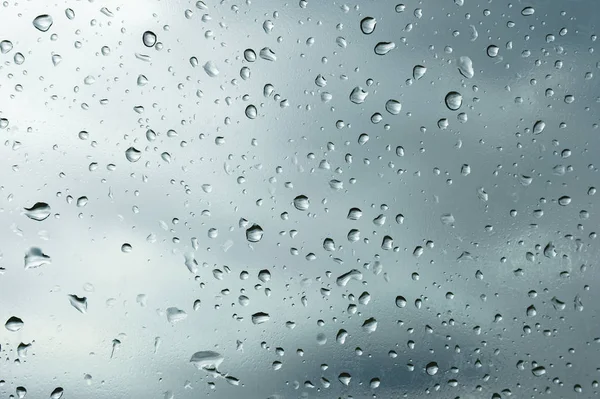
538, 127
207, 360
38, 212
465, 67
382, 48
211, 69
175, 315
57, 393
527, 11
267, 54
14, 324
260, 317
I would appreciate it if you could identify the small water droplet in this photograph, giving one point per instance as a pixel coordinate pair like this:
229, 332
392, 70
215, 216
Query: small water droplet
251, 111
432, 368
79, 303
358, 95
419, 71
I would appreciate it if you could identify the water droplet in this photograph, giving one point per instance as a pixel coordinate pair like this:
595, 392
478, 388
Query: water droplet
400, 301
358, 95
367, 25
251, 111
527, 11
207, 360
126, 248
175, 315
211, 69
465, 67
5, 46
382, 48
34, 257
354, 214
353, 274
79, 303
260, 317
57, 393
538, 371
370, 325
249, 55
531, 311
43, 22
345, 378
419, 71
254, 233
267, 54
132, 154
70, 13
539, 127
82, 201
564, 200
432, 368
38, 212
264, 276
492, 50
453, 100
301, 202
393, 106
341, 337
149, 38
14, 324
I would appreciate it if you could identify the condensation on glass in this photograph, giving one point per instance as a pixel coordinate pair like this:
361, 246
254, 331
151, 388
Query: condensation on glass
293, 200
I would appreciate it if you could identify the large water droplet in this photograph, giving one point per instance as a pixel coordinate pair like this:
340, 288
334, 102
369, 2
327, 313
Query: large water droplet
57, 393
132, 154
149, 38
251, 111
538, 127
14, 324
465, 67
453, 100
358, 95
419, 71
527, 11
175, 315
301, 202
400, 301
432, 368
393, 107
367, 25
538, 371
254, 233
492, 50
34, 257
43, 22
38, 212
211, 69
382, 48
260, 317
207, 360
